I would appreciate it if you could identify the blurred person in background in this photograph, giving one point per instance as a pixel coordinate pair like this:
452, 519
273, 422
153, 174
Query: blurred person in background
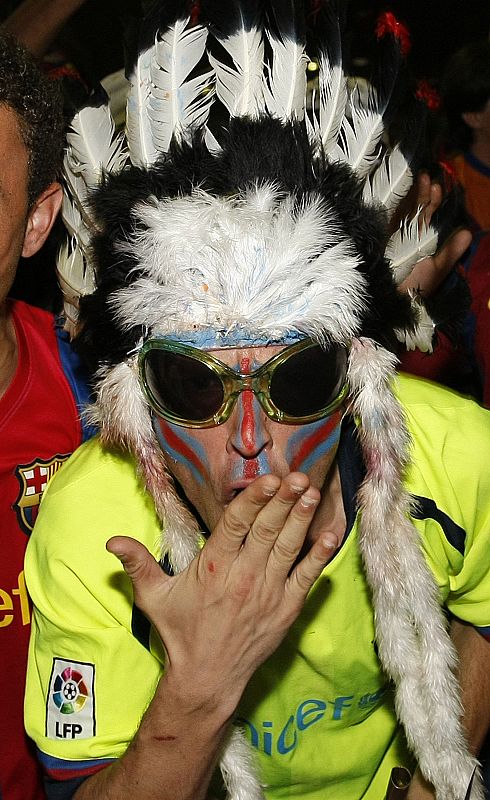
41, 387
465, 92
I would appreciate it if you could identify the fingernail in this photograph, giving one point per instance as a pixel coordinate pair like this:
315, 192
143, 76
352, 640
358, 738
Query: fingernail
330, 541
269, 491
298, 489
308, 501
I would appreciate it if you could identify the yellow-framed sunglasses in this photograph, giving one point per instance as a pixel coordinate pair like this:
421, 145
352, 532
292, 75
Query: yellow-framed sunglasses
192, 388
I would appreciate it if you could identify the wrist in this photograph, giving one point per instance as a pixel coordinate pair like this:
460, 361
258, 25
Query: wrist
198, 700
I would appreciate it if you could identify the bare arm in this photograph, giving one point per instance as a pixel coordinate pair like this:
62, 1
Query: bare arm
36, 23
219, 620
474, 675
429, 273
474, 672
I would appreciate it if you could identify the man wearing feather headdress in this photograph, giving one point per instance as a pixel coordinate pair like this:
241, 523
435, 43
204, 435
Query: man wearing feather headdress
39, 417
289, 514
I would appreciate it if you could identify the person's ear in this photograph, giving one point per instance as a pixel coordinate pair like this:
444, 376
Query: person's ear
473, 119
41, 218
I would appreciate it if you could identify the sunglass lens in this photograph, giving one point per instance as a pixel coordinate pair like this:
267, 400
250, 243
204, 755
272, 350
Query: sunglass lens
183, 386
308, 381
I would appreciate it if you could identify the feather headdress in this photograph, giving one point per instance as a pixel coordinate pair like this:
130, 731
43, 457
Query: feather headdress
239, 213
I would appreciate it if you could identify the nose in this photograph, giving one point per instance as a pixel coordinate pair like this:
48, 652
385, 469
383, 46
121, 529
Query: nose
249, 430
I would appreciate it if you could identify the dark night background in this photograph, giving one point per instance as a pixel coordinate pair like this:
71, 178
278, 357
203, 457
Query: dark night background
438, 27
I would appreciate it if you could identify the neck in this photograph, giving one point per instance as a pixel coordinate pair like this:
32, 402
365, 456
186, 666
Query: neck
8, 349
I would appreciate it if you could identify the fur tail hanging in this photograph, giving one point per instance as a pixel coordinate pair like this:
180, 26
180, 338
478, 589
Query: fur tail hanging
414, 646
238, 769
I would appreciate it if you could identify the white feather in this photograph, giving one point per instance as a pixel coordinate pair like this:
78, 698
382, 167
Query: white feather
332, 100
390, 182
422, 336
75, 279
142, 150
76, 195
285, 89
176, 103
240, 87
360, 136
78, 280
211, 142
71, 216
93, 147
313, 127
412, 241
93, 144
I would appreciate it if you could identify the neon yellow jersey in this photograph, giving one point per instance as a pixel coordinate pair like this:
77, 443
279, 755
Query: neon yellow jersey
319, 712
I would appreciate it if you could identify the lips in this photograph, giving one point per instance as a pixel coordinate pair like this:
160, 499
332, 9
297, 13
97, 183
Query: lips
241, 474
234, 489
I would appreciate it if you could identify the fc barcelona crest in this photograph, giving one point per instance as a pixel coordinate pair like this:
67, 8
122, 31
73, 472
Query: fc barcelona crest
33, 479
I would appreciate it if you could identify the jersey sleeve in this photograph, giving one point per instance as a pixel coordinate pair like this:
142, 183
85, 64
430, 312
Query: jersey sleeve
450, 481
89, 679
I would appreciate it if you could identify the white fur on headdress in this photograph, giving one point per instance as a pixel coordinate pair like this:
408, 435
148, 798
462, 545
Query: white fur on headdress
252, 260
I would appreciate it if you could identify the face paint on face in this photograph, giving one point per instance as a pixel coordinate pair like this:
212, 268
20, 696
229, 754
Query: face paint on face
311, 443
181, 447
250, 436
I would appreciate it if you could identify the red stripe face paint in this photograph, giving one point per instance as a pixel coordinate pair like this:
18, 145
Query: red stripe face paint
309, 443
250, 434
247, 426
184, 448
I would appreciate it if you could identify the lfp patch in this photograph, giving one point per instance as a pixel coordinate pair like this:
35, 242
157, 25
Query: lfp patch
70, 706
